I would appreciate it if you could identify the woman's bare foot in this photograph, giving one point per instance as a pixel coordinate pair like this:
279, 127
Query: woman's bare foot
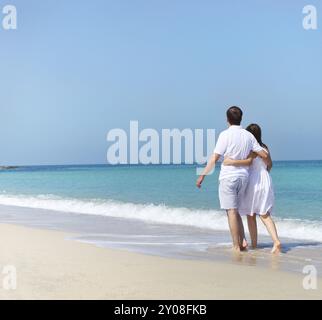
276, 248
244, 245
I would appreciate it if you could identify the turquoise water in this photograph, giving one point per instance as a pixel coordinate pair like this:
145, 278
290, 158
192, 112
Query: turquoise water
165, 194
298, 185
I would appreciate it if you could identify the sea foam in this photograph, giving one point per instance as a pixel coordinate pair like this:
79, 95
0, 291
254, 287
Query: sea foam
205, 219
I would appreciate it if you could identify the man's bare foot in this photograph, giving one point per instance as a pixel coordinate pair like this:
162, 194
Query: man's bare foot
276, 248
236, 249
244, 245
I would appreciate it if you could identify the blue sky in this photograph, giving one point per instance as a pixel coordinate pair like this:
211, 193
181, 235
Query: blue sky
76, 69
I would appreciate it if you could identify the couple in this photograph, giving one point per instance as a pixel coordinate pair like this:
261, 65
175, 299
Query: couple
245, 186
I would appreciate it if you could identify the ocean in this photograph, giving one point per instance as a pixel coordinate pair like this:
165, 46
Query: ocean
156, 209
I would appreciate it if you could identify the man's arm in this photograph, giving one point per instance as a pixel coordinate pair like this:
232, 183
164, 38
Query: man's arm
263, 154
259, 150
269, 161
220, 149
210, 165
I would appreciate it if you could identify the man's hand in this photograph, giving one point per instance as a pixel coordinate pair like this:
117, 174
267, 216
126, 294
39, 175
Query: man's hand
200, 181
265, 155
210, 165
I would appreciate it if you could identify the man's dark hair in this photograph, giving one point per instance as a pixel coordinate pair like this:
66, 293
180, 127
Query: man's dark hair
234, 115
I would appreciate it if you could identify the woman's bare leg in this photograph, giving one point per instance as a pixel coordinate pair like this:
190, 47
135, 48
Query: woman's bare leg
252, 228
271, 228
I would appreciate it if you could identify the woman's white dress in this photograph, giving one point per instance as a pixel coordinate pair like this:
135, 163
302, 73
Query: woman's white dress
259, 194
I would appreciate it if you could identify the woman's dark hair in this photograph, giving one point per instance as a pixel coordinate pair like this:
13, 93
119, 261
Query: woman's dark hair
234, 115
256, 131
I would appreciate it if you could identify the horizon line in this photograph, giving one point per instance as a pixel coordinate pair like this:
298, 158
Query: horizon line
131, 164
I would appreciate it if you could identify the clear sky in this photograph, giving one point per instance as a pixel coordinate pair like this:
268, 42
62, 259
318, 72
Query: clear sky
74, 69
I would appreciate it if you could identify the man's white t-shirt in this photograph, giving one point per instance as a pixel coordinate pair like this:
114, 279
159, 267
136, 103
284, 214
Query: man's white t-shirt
235, 143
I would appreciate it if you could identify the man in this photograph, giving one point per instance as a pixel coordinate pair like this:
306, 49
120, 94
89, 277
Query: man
235, 143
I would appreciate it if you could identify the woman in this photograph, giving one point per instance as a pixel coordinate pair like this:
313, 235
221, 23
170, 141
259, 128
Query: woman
259, 195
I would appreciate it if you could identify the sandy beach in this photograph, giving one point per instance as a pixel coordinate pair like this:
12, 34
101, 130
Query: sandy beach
49, 266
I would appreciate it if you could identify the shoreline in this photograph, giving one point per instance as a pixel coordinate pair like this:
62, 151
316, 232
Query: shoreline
50, 267
164, 240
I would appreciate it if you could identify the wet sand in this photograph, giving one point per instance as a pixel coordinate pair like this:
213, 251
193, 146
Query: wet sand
50, 267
